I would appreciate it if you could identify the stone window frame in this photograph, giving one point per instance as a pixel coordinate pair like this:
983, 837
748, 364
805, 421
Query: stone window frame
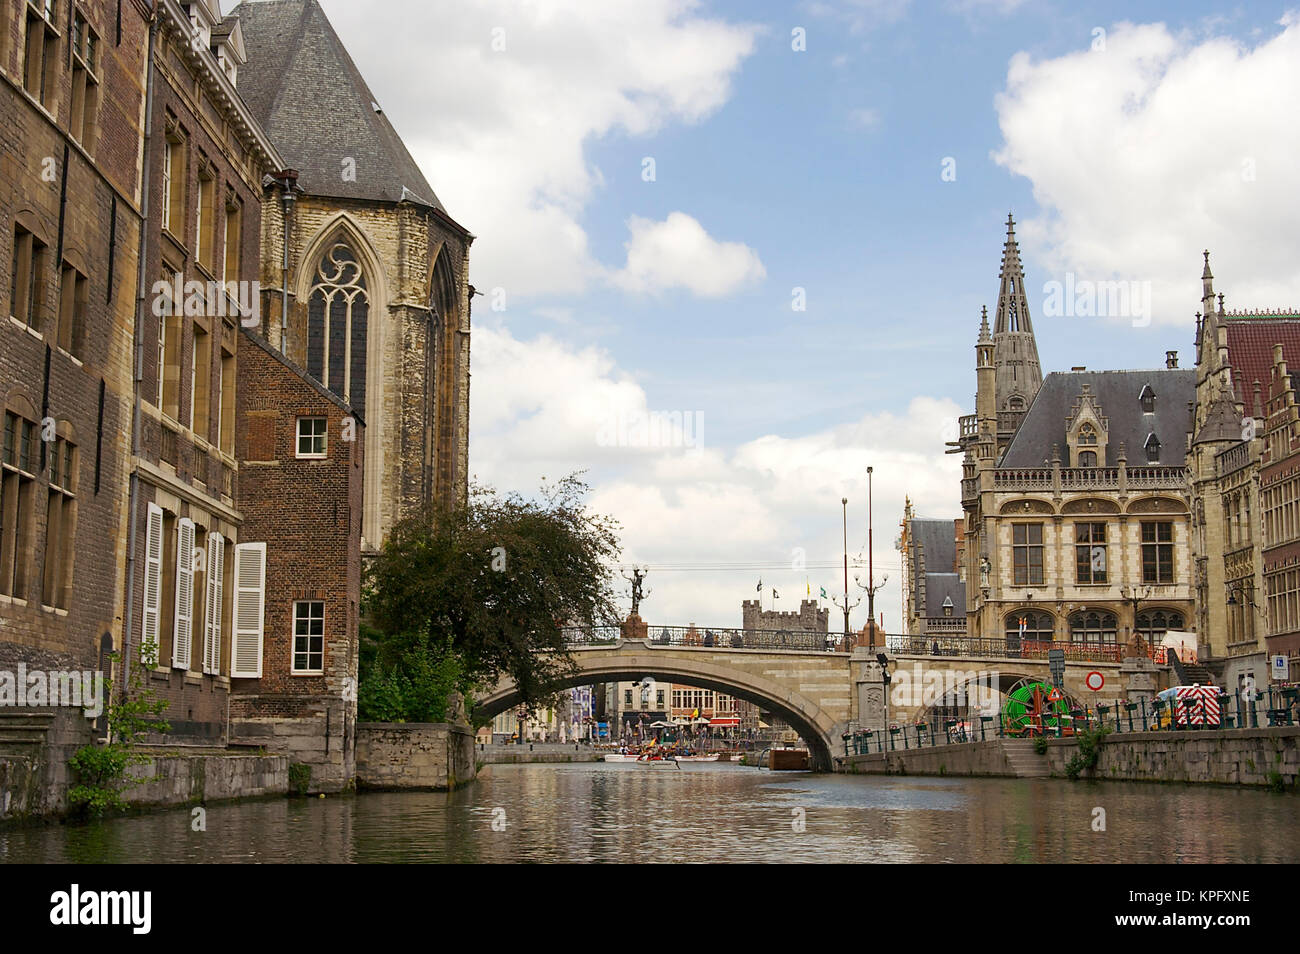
28, 278
1105, 631
1157, 552
1028, 548
1083, 560
60, 520
83, 111
18, 477
40, 52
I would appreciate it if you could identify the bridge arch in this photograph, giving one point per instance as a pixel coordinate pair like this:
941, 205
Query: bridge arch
685, 666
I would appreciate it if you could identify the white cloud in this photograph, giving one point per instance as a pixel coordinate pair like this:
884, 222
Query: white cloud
538, 406
679, 253
501, 133
864, 118
1145, 152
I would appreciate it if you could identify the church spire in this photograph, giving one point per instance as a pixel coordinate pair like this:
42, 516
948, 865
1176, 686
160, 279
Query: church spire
1015, 350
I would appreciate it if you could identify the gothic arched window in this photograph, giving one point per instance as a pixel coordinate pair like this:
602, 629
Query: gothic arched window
338, 314
1087, 435
1029, 625
1087, 458
1153, 624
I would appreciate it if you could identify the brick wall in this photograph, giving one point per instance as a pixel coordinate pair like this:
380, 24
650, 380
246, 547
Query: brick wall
308, 512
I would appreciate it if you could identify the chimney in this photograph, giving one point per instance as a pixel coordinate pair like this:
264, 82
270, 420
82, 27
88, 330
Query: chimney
1171, 359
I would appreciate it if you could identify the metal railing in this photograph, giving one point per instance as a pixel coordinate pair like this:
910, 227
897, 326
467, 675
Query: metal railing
1011, 647
707, 637
1274, 706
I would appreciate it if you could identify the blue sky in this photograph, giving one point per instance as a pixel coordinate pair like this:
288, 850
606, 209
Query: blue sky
1122, 153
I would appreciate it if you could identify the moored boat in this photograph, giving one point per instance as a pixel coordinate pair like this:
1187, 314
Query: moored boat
698, 758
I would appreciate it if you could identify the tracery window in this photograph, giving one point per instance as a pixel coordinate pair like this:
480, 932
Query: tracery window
338, 313
1093, 628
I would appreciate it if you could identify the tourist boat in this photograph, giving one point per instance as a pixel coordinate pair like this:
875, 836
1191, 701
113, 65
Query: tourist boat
619, 757
657, 761
698, 758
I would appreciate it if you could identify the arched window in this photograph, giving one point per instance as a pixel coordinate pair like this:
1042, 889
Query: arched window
1087, 458
338, 313
1153, 624
1016, 403
1029, 625
1087, 435
1093, 627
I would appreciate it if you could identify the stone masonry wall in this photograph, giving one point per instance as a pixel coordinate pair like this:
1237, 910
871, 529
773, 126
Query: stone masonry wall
414, 756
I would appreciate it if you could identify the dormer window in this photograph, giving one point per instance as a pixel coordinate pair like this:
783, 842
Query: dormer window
1152, 446
1148, 399
947, 606
1087, 436
1087, 458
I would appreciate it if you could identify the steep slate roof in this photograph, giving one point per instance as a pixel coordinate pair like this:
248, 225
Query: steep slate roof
1117, 394
937, 541
941, 585
305, 91
1250, 351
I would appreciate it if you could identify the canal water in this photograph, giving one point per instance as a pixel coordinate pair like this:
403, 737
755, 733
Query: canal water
595, 812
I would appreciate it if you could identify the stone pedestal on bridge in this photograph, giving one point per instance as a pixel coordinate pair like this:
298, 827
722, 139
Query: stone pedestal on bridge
634, 627
1139, 672
869, 685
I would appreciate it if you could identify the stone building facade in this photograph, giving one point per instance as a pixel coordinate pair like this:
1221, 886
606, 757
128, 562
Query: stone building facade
364, 273
1064, 540
808, 618
1241, 485
1279, 491
205, 159
301, 453
934, 584
71, 105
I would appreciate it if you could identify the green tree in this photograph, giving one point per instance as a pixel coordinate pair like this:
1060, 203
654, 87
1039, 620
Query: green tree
466, 596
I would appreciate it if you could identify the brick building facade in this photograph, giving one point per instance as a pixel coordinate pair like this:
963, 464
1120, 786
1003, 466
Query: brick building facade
301, 452
71, 99
205, 159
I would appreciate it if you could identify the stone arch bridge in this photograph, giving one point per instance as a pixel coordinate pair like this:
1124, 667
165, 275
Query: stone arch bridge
821, 693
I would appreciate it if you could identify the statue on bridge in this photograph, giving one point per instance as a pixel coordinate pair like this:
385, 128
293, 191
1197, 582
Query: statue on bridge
637, 579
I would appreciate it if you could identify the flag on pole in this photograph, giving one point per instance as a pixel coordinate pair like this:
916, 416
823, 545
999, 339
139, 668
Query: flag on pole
760, 585
824, 596
808, 583
775, 594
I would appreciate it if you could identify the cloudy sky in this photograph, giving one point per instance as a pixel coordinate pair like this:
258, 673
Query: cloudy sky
734, 253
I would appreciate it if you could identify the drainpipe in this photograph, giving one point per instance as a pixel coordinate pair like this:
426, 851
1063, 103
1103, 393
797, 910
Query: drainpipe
288, 180
133, 496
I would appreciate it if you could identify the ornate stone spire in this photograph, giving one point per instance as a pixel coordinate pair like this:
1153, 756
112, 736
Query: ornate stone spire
1015, 351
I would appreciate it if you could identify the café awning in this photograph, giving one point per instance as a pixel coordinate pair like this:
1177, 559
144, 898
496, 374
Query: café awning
725, 722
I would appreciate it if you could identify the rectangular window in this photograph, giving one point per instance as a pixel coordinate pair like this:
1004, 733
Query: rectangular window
627, 697
1090, 552
201, 386
227, 425
173, 212
60, 524
234, 223
27, 279
17, 504
40, 54
311, 436
1027, 553
309, 636
1157, 553
169, 371
73, 301
659, 698
205, 221
85, 84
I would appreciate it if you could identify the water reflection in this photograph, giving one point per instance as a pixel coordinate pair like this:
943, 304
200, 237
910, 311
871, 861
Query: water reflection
707, 812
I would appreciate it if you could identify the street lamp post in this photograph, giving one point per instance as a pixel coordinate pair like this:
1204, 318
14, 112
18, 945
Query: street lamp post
871, 586
1131, 594
844, 502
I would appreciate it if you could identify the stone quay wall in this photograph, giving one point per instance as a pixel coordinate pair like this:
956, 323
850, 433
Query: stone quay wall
415, 755
1259, 757
177, 778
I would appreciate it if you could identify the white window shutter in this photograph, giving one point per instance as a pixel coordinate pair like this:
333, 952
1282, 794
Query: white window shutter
250, 608
215, 596
183, 631
153, 549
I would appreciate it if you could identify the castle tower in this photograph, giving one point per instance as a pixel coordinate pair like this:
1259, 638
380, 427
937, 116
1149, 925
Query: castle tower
1015, 351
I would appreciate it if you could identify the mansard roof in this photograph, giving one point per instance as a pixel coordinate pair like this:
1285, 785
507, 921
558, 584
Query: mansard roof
308, 95
1117, 394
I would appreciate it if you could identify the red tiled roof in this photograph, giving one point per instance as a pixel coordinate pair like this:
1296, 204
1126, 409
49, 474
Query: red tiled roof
1250, 350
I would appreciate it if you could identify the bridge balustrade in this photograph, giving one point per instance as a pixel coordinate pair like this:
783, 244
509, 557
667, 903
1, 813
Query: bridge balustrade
705, 637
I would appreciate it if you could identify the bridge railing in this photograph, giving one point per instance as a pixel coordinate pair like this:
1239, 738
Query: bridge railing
1268, 707
708, 637
937, 644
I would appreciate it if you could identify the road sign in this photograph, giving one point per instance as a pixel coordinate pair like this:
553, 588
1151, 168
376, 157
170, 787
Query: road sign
1056, 665
1281, 669
1056, 695
1094, 681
